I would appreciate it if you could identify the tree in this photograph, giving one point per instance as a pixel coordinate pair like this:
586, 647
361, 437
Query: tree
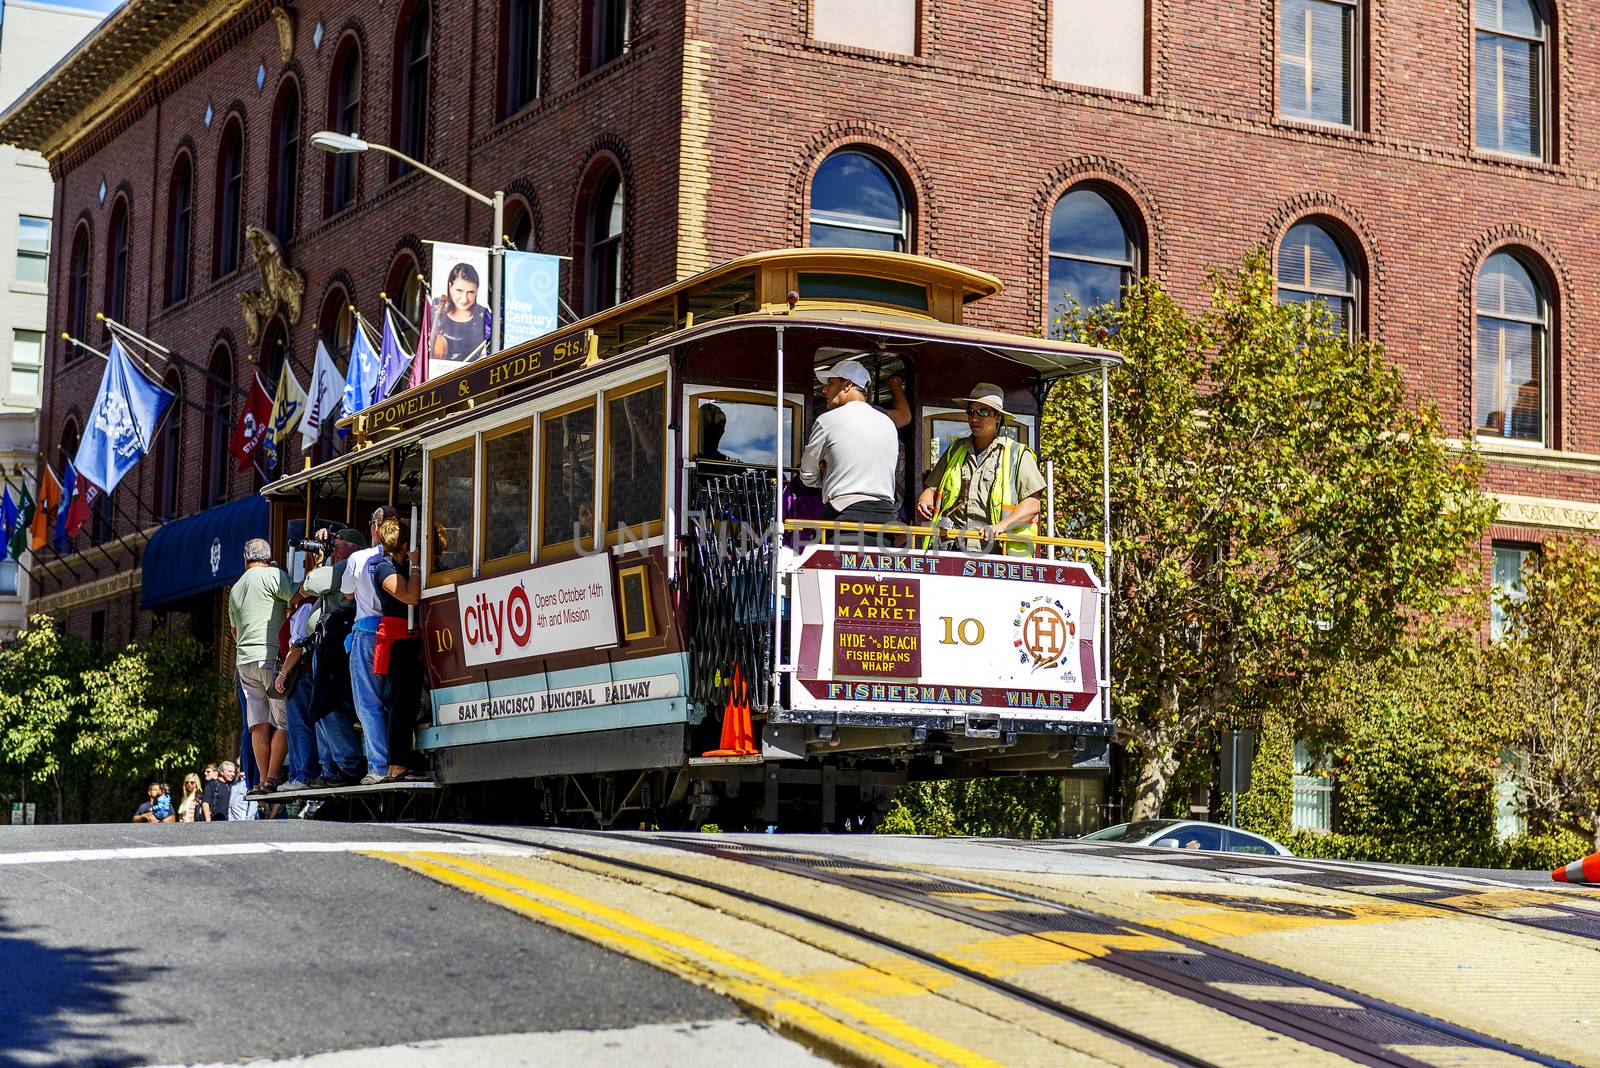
1277, 504
1551, 670
41, 703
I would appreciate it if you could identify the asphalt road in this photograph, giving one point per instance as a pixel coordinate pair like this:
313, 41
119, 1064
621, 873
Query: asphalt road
137, 958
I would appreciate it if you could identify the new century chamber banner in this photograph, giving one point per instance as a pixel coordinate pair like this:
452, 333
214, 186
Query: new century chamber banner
460, 298
531, 281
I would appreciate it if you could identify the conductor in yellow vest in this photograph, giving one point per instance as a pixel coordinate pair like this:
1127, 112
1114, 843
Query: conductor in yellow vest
985, 480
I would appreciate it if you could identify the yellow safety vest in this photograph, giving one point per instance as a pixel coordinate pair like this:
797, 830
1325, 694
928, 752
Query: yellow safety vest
1002, 491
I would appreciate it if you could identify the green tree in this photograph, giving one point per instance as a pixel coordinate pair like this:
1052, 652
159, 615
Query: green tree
42, 703
1278, 503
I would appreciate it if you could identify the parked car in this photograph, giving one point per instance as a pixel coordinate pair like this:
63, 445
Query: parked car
1188, 834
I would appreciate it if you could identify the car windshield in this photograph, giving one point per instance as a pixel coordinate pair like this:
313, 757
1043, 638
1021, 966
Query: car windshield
1136, 831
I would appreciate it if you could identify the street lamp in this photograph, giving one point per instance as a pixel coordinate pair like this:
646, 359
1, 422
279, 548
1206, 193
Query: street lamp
341, 144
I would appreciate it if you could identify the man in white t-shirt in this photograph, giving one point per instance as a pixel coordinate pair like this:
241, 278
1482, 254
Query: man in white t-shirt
370, 690
852, 450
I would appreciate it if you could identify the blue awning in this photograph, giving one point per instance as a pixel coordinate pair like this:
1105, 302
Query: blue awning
201, 552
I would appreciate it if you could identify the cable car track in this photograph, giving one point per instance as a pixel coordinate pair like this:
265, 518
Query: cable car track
1361, 1033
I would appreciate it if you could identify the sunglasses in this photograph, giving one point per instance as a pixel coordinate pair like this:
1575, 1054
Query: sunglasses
987, 413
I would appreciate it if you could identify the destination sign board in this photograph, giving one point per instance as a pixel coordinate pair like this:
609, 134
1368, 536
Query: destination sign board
515, 367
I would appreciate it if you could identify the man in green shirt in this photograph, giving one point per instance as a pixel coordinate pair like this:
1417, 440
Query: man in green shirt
256, 608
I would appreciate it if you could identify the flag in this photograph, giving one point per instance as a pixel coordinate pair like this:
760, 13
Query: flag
287, 407
361, 383
419, 364
44, 510
8, 520
19, 533
392, 359
69, 497
327, 386
254, 423
121, 423
82, 501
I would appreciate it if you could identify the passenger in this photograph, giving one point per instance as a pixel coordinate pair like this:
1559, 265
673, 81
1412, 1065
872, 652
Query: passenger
713, 424
398, 655
985, 480
369, 689
852, 450
256, 607
305, 765
332, 708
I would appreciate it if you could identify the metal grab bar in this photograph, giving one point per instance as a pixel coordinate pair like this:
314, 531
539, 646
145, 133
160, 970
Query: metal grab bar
838, 527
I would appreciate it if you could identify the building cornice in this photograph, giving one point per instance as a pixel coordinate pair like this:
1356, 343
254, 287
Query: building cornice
88, 593
1545, 513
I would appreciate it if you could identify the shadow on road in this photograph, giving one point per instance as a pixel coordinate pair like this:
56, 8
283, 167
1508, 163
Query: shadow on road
58, 1002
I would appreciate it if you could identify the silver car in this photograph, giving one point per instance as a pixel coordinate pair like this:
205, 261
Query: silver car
1188, 834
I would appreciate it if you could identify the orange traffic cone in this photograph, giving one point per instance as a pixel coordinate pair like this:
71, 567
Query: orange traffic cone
738, 737
1586, 870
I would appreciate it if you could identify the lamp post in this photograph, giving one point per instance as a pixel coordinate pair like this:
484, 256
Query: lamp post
340, 144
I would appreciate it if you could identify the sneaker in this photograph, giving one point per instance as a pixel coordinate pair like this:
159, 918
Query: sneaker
337, 779
292, 784
371, 780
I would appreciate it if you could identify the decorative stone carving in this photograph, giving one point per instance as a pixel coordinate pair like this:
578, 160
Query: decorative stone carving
281, 285
285, 20
1547, 513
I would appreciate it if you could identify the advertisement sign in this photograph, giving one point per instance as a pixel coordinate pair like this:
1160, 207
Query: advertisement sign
458, 288
551, 609
531, 280
886, 632
567, 698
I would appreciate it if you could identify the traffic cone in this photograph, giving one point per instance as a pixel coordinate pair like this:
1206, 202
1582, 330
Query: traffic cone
1586, 870
738, 737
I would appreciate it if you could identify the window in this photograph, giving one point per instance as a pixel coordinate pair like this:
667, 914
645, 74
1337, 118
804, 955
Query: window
1099, 43
169, 453
566, 505
1509, 374
607, 31
219, 426
1509, 76
450, 510
602, 285
78, 289
1505, 586
883, 26
411, 89
519, 226
857, 203
117, 263
283, 187
228, 233
1317, 60
344, 115
942, 427
27, 358
8, 578
180, 228
1314, 266
1092, 250
405, 290
336, 328
508, 490
635, 467
738, 428
519, 54
33, 249
1313, 790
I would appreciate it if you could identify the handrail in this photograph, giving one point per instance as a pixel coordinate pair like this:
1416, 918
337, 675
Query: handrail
900, 528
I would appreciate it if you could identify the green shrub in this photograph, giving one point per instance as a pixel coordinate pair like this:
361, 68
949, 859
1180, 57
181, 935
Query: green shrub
986, 808
1529, 852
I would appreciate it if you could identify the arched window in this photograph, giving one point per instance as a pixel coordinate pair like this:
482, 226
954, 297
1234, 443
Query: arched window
602, 276
1315, 263
1510, 76
1510, 349
336, 328
410, 131
283, 186
404, 287
227, 231
856, 202
169, 453
519, 225
519, 53
1093, 251
78, 289
219, 425
344, 116
117, 263
606, 26
180, 228
270, 361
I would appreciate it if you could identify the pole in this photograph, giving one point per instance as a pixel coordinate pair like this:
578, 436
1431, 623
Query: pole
1105, 536
1233, 761
777, 529
497, 274
1050, 505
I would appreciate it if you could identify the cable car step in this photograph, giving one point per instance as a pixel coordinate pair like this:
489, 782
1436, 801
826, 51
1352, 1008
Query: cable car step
754, 759
324, 793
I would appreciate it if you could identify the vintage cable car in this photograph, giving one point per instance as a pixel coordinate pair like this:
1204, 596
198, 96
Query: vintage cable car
619, 565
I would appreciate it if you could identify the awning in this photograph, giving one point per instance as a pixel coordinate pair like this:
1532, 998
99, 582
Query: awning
201, 552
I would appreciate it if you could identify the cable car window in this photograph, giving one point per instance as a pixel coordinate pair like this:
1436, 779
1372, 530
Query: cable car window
450, 509
508, 493
737, 428
567, 503
635, 468
861, 287
944, 426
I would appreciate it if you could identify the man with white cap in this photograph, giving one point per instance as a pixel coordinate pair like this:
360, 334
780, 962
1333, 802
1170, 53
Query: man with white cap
852, 449
985, 480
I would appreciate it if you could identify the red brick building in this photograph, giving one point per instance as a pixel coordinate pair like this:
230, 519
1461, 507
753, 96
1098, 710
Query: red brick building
1433, 171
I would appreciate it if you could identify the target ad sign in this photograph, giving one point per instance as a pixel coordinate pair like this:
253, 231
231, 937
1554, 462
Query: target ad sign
552, 609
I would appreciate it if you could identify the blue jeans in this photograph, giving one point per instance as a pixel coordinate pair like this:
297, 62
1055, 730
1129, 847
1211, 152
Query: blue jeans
303, 763
371, 692
336, 730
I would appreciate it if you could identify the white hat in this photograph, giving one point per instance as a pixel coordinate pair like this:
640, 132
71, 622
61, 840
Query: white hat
849, 370
987, 394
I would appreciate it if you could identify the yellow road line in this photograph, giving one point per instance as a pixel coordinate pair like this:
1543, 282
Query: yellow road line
764, 989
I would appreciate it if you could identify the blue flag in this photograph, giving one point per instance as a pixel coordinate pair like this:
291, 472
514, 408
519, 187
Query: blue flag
122, 422
393, 361
69, 486
361, 381
8, 519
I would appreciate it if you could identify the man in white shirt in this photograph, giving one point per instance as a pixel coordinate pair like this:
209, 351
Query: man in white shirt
370, 690
852, 450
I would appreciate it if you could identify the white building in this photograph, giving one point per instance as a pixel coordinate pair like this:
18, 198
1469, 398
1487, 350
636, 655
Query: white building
33, 36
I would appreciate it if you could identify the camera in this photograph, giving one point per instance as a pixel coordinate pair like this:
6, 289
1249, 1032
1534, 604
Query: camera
312, 545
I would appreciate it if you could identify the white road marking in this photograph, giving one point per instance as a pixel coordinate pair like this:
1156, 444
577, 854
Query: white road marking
230, 849
687, 1044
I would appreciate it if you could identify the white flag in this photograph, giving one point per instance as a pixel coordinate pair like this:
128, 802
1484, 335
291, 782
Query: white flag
327, 390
